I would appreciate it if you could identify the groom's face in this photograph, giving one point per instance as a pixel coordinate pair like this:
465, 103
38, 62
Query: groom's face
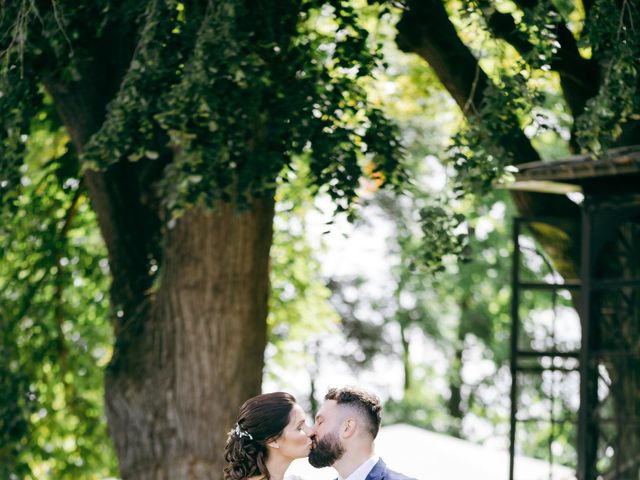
327, 447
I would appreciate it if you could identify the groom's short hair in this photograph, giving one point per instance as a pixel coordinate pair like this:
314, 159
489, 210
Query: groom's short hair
364, 402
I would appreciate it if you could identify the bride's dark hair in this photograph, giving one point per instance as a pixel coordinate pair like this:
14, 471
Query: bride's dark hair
261, 420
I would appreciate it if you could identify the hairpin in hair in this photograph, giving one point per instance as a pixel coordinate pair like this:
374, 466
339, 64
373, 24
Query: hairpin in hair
239, 432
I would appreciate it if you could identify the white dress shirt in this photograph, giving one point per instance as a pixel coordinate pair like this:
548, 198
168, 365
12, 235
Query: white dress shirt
363, 470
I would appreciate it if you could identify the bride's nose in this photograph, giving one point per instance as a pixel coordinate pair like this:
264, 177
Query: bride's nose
308, 431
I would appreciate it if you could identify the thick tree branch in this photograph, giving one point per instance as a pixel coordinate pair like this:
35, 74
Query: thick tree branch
503, 26
579, 76
128, 221
568, 61
425, 29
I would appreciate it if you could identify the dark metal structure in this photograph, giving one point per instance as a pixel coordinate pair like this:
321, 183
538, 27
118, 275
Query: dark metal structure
605, 293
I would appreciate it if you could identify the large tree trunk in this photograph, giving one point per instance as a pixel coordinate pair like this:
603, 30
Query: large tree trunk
190, 336
175, 385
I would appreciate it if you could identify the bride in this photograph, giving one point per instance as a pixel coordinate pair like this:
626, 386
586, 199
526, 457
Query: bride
270, 433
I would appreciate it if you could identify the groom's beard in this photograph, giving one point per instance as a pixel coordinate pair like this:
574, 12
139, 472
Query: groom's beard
326, 451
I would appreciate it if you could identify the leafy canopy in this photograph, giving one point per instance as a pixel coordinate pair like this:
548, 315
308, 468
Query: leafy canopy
223, 94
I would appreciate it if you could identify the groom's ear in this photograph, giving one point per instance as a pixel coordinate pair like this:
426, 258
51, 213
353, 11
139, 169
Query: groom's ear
349, 427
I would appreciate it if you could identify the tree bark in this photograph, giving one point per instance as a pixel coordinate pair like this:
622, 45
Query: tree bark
179, 377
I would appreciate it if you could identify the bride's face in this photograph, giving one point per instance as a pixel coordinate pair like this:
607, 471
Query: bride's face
295, 441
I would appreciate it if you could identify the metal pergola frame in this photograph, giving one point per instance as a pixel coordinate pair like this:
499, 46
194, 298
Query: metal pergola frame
611, 188
517, 286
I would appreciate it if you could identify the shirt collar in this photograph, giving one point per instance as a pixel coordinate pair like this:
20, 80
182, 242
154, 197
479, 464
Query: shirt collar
363, 470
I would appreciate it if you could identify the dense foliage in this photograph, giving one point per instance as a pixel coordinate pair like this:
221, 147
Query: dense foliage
55, 334
234, 99
197, 102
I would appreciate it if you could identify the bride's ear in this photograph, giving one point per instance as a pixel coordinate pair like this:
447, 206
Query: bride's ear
273, 444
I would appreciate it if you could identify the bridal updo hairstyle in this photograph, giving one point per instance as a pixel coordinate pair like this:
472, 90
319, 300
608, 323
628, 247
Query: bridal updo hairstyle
262, 419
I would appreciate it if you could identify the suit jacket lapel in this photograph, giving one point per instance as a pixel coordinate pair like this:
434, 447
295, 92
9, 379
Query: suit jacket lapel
378, 471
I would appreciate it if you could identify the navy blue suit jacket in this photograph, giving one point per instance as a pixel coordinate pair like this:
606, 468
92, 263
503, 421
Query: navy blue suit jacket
381, 472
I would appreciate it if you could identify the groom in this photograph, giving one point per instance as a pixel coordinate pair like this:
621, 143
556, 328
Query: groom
346, 426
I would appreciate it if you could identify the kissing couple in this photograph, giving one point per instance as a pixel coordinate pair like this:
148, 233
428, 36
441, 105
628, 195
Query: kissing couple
272, 431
